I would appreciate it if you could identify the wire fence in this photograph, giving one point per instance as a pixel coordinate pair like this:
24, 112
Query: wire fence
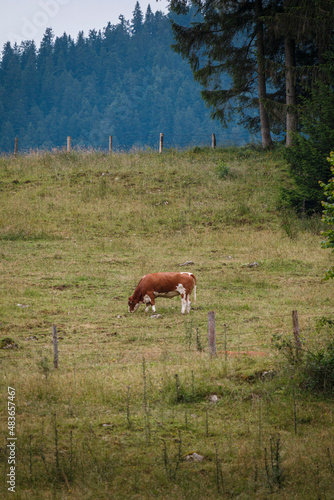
163, 141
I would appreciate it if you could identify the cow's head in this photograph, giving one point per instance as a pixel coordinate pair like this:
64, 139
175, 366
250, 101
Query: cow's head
133, 304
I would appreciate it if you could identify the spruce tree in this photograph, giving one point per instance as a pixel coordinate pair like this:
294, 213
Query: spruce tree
137, 20
303, 34
227, 38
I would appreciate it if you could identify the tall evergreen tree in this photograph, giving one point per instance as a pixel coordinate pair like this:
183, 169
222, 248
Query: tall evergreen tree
137, 20
304, 30
227, 39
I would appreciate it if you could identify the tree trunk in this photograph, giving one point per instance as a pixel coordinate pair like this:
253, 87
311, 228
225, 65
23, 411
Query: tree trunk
264, 118
291, 100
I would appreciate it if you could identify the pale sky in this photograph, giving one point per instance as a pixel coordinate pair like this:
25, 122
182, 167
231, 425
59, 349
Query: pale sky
28, 19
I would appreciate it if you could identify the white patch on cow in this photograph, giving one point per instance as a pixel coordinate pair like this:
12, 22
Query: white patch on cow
146, 299
180, 288
135, 308
153, 309
188, 304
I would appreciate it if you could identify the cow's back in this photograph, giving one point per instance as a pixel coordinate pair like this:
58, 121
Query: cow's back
164, 282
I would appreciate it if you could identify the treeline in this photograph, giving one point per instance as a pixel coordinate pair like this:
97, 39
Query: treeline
123, 81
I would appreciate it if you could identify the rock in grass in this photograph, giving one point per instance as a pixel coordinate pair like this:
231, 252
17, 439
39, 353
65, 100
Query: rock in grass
251, 264
268, 374
195, 457
8, 343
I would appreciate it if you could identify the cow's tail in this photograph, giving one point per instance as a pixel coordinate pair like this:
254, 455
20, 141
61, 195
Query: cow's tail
194, 280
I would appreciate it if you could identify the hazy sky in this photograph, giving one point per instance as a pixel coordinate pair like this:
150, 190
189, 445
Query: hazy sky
28, 19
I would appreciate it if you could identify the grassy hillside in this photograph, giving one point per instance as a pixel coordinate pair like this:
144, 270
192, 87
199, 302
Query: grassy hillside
132, 396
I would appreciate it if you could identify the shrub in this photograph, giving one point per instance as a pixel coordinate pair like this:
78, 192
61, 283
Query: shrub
225, 172
318, 369
314, 368
328, 213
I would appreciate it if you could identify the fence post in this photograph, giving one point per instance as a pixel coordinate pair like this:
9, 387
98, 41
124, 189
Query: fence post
15, 147
296, 332
55, 346
68, 143
213, 141
110, 143
161, 143
212, 333
225, 340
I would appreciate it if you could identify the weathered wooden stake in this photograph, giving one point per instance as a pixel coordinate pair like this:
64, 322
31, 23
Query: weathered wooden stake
110, 143
55, 346
213, 141
225, 341
296, 330
68, 143
161, 143
212, 333
15, 147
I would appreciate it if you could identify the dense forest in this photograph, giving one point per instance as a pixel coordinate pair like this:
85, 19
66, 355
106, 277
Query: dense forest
124, 81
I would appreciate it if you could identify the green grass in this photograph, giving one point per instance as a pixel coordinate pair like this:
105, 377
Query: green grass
131, 397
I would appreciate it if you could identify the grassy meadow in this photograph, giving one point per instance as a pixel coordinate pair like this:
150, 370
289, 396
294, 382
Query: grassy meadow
136, 396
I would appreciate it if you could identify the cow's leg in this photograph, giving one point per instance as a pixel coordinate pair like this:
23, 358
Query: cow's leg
183, 303
188, 303
149, 300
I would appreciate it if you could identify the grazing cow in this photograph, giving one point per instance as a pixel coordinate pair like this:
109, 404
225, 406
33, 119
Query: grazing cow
163, 285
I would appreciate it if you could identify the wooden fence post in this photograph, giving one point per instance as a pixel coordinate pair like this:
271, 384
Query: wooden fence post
110, 143
225, 340
15, 147
296, 332
161, 143
213, 141
212, 333
55, 346
68, 143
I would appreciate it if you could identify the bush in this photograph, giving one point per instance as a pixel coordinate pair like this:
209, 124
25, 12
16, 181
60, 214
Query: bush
318, 369
223, 170
314, 367
328, 213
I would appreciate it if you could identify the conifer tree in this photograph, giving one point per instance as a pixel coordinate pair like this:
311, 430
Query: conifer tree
137, 20
227, 37
303, 32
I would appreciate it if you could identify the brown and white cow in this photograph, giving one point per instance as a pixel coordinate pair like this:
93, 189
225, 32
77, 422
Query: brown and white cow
163, 285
